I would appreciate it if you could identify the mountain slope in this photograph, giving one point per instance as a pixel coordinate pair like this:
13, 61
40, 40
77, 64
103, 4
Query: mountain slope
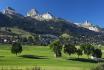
55, 27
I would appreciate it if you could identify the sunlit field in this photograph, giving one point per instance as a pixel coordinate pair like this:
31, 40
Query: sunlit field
43, 57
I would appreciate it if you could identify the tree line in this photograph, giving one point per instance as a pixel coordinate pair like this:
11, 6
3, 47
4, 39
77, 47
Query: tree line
70, 48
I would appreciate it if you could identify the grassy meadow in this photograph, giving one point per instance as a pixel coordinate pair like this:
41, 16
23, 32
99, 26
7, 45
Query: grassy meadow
43, 57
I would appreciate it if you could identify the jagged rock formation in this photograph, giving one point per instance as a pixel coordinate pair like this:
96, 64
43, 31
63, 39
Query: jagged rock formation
90, 26
33, 13
9, 10
47, 16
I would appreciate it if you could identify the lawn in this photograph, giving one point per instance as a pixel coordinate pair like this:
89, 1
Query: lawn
43, 57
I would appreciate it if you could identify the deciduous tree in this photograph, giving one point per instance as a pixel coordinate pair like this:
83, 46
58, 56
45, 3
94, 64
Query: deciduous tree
16, 48
70, 49
56, 47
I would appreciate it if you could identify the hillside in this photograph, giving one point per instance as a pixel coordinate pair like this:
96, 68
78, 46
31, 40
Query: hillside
16, 31
52, 26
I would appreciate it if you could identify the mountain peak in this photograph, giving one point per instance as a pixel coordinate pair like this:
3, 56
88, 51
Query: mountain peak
89, 26
33, 13
47, 16
9, 10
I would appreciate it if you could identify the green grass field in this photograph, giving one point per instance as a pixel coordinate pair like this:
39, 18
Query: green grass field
43, 57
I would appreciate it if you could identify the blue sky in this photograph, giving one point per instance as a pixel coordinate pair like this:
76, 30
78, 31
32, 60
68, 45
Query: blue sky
73, 10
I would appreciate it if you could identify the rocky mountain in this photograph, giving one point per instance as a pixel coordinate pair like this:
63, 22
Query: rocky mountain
33, 13
36, 23
90, 26
9, 10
